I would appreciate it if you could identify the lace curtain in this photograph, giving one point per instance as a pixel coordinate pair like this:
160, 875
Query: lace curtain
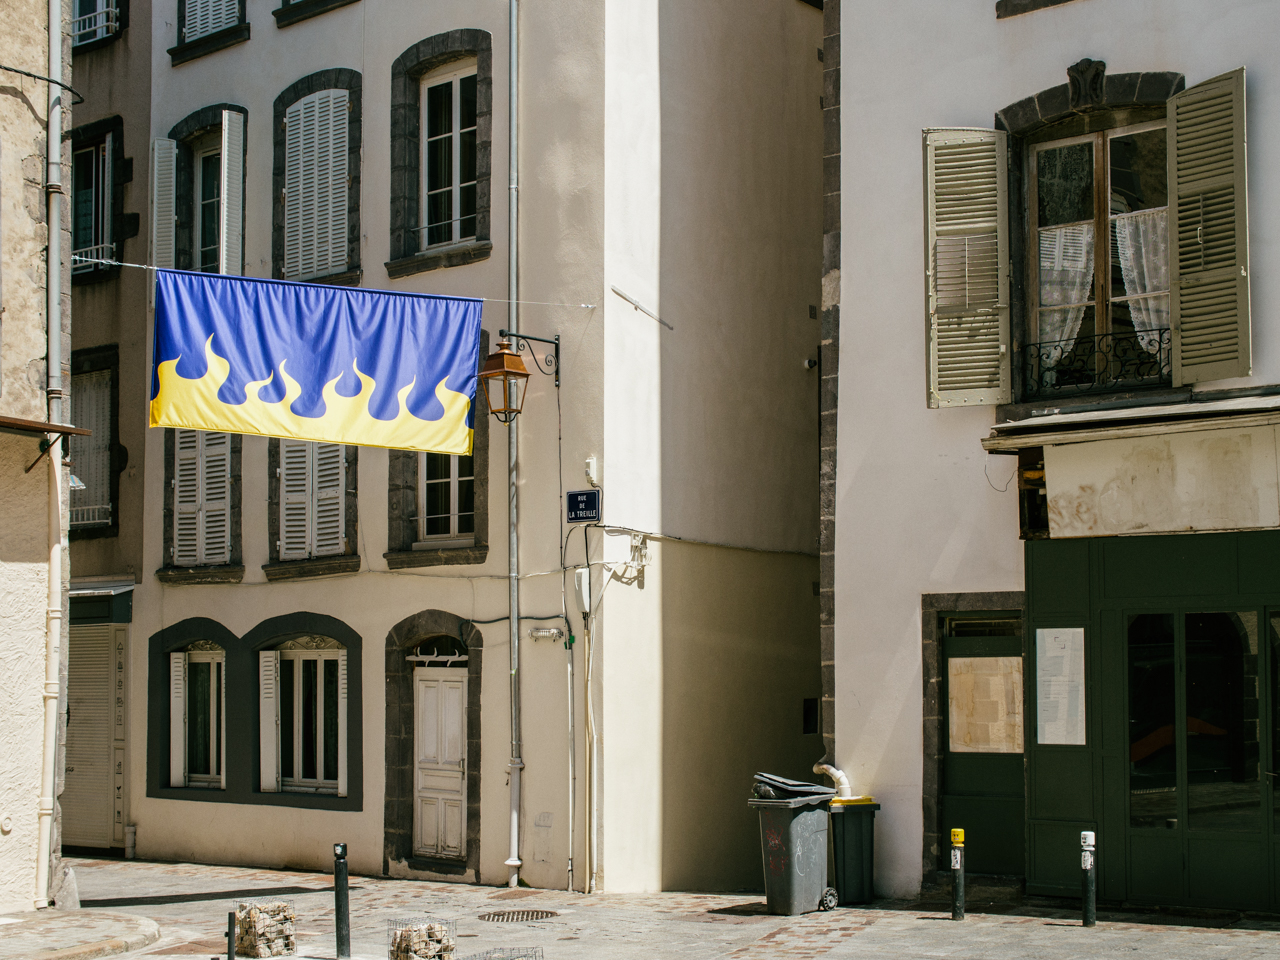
1066, 282
1142, 245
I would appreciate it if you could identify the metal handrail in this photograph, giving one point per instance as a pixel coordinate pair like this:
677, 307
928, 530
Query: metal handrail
1098, 363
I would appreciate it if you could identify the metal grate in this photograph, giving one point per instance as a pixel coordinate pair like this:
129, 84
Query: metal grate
518, 916
420, 938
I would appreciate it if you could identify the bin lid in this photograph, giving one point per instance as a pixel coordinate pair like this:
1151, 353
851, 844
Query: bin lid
851, 801
790, 803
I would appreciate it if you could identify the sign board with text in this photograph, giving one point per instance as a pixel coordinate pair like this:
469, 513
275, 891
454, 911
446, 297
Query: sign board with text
582, 506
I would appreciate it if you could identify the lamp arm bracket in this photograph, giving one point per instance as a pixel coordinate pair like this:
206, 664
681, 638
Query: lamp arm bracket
548, 364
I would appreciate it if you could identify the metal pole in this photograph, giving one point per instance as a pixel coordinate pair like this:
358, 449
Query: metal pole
341, 901
957, 874
231, 935
1089, 869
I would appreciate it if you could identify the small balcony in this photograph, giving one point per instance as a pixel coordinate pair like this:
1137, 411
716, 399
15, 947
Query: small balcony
97, 19
1100, 363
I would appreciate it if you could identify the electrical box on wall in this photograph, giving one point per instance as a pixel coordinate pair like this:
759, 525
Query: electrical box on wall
582, 588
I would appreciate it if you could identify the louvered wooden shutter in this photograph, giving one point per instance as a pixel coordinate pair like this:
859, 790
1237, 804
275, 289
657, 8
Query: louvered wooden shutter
315, 201
1209, 232
295, 499
230, 234
342, 723
163, 158
186, 498
177, 719
967, 267
329, 502
215, 498
269, 721
209, 16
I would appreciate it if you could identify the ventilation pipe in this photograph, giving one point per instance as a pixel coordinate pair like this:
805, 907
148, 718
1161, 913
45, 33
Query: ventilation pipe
53, 359
837, 777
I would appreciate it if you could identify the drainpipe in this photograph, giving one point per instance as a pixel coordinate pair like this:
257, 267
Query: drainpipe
53, 313
513, 536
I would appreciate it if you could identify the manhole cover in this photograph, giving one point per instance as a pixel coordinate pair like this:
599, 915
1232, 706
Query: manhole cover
518, 916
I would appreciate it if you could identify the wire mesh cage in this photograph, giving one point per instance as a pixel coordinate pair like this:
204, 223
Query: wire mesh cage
508, 953
265, 927
421, 938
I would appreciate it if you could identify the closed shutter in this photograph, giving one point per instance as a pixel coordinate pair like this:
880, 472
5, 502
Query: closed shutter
209, 16
230, 233
329, 499
163, 159
967, 267
342, 723
186, 498
215, 497
177, 719
315, 200
1209, 232
295, 499
269, 720
86, 799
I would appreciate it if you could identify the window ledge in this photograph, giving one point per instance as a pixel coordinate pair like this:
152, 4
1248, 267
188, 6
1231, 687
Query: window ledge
290, 13
99, 273
215, 573
96, 44
349, 278
315, 567
209, 43
439, 557
444, 255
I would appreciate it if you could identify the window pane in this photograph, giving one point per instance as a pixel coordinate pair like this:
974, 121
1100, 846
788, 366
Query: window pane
1066, 265
439, 163
331, 720
1153, 753
467, 156
438, 466
467, 101
467, 217
437, 508
82, 198
1140, 253
310, 700
439, 217
440, 109
286, 718
466, 498
466, 467
217, 719
1224, 789
1139, 171
198, 684
1064, 184
210, 167
1275, 714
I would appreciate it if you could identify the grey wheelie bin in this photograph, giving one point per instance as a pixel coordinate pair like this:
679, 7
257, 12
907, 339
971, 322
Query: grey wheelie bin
793, 839
853, 842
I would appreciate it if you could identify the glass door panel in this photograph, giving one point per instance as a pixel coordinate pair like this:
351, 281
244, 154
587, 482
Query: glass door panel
1224, 772
1153, 748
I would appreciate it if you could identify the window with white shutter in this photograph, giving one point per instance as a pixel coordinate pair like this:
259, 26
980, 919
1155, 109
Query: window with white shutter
311, 707
91, 456
966, 267
164, 155
315, 186
204, 17
269, 721
201, 498
177, 719
231, 192
91, 208
197, 716
312, 500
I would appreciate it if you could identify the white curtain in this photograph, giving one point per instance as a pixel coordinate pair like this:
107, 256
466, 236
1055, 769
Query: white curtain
1142, 245
1066, 282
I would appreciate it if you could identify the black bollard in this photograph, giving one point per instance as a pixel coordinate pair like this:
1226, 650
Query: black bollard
231, 935
957, 874
1089, 880
342, 906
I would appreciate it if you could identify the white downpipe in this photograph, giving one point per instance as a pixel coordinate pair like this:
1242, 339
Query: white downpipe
837, 776
573, 755
593, 853
513, 537
53, 358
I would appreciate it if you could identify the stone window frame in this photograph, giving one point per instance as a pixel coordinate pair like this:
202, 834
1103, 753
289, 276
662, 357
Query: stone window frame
335, 78
407, 72
403, 506
124, 226
92, 360
398, 804
933, 606
184, 51
242, 713
185, 132
233, 570
349, 562
295, 11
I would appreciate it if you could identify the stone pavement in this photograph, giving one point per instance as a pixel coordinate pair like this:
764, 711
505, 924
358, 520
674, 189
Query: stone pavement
190, 904
74, 934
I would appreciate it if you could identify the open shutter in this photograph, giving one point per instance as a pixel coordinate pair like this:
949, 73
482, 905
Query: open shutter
329, 512
106, 203
334, 169
295, 499
269, 720
342, 723
315, 200
163, 158
1209, 232
215, 515
230, 232
177, 719
186, 498
967, 267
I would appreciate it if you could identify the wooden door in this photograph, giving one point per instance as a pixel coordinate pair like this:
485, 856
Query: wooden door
440, 762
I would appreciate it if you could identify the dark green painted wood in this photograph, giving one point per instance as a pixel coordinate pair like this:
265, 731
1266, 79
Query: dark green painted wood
1055, 854
1156, 867
993, 834
1197, 565
1057, 574
1063, 784
1228, 873
114, 609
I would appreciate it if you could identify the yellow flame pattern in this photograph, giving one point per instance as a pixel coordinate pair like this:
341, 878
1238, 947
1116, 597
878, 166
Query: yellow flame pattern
194, 404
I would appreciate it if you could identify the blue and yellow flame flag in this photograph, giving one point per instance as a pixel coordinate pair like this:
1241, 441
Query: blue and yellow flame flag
310, 362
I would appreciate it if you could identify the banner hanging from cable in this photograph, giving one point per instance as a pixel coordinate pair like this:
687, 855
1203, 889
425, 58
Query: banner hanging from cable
312, 362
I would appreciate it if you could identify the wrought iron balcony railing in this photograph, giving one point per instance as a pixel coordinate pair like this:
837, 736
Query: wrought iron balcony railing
1102, 363
95, 25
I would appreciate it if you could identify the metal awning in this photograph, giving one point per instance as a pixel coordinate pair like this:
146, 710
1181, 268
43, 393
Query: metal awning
1054, 427
100, 586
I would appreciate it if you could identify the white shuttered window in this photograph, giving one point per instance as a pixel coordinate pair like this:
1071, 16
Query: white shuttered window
967, 267
91, 456
316, 177
312, 499
164, 154
201, 498
209, 16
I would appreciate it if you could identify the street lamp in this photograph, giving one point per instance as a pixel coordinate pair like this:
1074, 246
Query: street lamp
505, 376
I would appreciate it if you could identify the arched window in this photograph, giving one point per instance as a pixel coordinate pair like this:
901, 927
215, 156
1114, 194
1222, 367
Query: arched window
197, 714
440, 651
304, 716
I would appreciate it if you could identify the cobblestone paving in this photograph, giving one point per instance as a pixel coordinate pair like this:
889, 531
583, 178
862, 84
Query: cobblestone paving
190, 903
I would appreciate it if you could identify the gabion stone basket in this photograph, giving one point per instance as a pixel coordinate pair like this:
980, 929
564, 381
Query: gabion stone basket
421, 938
508, 953
265, 928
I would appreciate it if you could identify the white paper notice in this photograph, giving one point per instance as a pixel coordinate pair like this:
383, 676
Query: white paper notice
1060, 685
